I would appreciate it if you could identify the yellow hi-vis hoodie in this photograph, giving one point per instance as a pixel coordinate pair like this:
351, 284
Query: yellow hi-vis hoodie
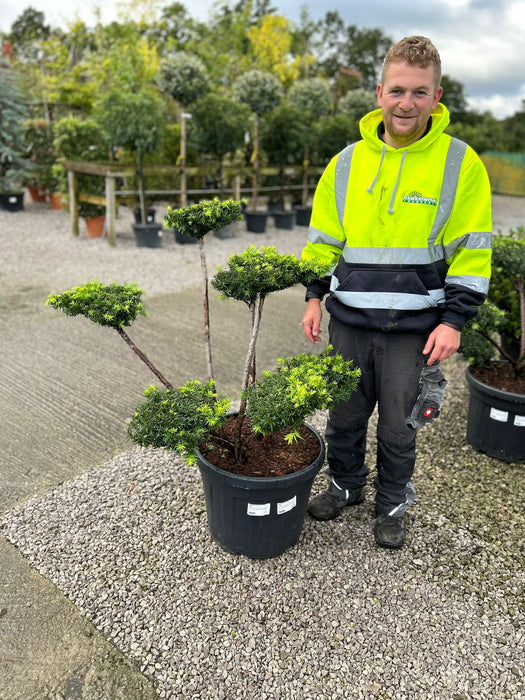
408, 230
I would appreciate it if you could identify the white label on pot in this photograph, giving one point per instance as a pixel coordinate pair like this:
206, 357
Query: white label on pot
12, 200
258, 509
285, 506
519, 421
496, 414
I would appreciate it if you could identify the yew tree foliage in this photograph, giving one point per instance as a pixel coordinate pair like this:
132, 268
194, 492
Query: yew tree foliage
199, 219
504, 310
114, 305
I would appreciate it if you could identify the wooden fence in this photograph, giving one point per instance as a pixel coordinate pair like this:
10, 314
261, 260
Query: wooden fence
116, 175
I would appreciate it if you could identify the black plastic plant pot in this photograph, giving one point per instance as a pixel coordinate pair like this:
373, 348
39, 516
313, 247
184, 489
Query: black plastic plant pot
184, 239
495, 421
150, 215
284, 220
259, 518
12, 201
256, 221
303, 215
148, 235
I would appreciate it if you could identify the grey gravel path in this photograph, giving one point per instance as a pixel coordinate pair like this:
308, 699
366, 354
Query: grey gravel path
335, 617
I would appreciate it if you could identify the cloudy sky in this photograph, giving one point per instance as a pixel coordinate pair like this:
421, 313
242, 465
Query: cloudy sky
481, 42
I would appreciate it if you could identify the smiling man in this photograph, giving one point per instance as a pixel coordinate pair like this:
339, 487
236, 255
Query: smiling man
404, 216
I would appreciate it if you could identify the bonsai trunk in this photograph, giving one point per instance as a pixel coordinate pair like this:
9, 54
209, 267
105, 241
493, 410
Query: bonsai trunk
206, 304
144, 358
249, 372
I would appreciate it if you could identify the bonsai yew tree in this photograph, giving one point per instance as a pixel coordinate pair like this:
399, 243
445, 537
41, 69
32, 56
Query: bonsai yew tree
503, 314
312, 97
262, 92
184, 418
132, 121
185, 78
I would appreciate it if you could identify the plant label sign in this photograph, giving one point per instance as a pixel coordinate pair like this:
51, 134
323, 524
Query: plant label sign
258, 509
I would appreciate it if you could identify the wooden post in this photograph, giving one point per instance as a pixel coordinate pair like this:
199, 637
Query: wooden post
183, 196
111, 210
73, 201
237, 187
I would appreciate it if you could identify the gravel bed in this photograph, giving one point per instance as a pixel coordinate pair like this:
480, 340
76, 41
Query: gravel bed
335, 616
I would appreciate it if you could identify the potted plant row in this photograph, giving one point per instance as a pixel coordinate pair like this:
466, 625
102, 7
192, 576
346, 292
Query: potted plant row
494, 345
257, 463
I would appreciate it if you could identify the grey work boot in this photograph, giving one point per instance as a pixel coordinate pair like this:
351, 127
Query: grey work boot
328, 504
390, 532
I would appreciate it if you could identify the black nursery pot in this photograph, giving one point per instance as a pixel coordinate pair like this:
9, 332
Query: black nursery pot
150, 216
148, 235
12, 201
256, 221
259, 518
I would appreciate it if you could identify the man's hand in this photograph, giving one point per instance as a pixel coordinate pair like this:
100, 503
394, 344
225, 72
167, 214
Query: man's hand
312, 320
442, 343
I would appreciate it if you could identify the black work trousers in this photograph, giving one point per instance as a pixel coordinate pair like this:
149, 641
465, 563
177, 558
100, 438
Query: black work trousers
391, 364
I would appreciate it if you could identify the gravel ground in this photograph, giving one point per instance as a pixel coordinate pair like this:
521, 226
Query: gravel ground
335, 616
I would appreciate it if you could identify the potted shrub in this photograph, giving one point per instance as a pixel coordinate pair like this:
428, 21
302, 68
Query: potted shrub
256, 510
312, 97
282, 137
131, 121
39, 137
14, 164
262, 92
81, 140
496, 415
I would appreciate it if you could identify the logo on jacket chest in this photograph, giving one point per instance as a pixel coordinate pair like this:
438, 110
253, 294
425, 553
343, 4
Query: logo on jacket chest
418, 198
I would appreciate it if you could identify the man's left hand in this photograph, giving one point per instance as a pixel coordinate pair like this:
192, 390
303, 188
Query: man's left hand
442, 343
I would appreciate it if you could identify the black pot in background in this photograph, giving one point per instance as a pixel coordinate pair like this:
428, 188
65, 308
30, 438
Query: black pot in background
495, 421
150, 216
226, 231
256, 221
12, 201
303, 215
148, 235
284, 219
183, 239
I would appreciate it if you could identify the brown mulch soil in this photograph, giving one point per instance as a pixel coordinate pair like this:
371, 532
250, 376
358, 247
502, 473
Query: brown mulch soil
500, 376
266, 456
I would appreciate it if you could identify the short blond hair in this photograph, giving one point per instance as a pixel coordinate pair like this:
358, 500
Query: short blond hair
416, 51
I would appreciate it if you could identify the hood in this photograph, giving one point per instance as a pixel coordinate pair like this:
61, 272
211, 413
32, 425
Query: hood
369, 126
371, 121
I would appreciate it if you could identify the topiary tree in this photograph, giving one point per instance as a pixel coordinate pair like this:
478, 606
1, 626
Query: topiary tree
220, 125
356, 103
262, 92
283, 135
185, 78
132, 121
312, 97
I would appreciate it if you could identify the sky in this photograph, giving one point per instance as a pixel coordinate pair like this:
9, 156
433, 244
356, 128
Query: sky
481, 42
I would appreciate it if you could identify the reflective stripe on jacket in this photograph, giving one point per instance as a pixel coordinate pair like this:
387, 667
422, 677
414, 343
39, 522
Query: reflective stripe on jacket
408, 230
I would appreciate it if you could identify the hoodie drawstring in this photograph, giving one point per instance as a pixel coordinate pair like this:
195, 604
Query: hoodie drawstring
391, 207
371, 188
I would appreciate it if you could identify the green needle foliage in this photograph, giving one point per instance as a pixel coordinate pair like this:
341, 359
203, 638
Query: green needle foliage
258, 272
504, 311
298, 387
180, 419
199, 219
114, 305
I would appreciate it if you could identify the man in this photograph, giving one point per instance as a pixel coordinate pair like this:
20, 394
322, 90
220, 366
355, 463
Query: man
404, 215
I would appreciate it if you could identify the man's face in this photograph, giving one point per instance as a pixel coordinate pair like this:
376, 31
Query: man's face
406, 98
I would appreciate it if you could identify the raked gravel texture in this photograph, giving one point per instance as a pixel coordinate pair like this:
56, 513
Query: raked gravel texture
334, 617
